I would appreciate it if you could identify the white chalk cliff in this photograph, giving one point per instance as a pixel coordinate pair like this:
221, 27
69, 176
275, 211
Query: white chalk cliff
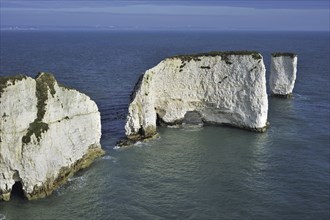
47, 132
283, 73
222, 87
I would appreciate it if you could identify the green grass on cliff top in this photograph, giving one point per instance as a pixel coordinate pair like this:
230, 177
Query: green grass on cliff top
187, 57
284, 54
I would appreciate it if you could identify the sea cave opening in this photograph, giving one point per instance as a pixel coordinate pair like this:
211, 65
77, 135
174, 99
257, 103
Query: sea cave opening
17, 190
193, 118
160, 113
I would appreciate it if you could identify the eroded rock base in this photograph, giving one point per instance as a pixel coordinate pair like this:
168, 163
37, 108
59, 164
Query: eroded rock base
65, 173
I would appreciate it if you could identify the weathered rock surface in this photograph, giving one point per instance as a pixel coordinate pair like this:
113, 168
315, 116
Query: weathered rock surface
222, 87
47, 132
283, 74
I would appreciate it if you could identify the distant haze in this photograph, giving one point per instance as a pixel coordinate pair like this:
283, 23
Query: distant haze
292, 15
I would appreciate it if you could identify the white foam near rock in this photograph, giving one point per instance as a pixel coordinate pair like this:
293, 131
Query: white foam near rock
222, 87
283, 74
48, 132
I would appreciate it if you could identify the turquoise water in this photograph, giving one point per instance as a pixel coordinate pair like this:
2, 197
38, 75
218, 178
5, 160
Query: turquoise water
188, 173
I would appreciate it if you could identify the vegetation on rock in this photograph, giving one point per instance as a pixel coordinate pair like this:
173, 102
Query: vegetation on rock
44, 82
284, 54
224, 55
4, 81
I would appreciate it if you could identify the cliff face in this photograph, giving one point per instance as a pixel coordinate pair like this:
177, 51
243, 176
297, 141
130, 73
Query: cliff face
283, 74
47, 132
221, 87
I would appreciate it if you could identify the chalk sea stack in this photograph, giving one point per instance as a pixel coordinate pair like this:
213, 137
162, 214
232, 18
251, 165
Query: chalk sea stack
283, 72
48, 132
226, 88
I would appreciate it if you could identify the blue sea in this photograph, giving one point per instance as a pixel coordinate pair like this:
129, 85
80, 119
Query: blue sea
212, 172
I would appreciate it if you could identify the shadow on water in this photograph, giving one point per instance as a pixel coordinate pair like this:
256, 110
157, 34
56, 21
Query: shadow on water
211, 163
283, 117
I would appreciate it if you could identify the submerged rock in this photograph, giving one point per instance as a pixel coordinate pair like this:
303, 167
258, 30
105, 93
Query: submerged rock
217, 88
283, 74
47, 133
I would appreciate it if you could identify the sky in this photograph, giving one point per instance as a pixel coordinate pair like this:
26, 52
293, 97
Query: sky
282, 15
